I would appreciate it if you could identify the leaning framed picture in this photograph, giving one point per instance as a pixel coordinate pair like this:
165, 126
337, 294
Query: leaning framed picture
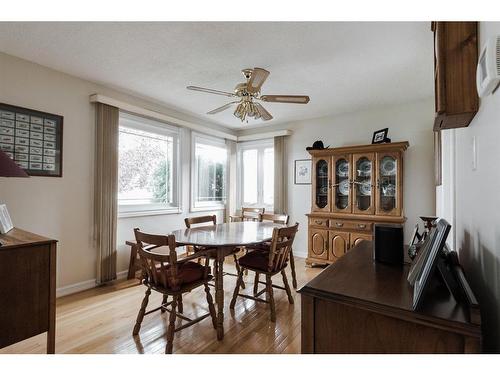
33, 139
303, 172
439, 235
5, 221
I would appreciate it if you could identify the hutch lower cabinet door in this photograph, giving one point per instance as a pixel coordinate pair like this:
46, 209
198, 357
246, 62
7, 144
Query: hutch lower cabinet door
339, 244
318, 243
356, 238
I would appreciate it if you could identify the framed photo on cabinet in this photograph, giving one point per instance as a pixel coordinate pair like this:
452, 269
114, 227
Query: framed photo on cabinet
33, 139
303, 172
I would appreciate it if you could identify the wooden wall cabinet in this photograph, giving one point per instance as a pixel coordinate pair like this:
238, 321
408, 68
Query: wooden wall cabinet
455, 61
353, 188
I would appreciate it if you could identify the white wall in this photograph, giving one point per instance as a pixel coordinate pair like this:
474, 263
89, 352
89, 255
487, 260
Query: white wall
409, 122
62, 208
478, 206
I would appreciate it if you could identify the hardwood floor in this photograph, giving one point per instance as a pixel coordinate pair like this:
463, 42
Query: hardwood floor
100, 320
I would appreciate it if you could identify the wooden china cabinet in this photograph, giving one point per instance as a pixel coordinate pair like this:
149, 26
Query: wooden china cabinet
353, 188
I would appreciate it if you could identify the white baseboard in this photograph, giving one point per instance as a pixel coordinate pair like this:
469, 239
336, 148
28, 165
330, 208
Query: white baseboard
89, 284
84, 285
299, 254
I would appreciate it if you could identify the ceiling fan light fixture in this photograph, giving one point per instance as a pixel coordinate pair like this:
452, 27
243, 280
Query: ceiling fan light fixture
249, 91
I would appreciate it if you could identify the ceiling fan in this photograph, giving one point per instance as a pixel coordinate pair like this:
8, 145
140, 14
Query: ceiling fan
248, 95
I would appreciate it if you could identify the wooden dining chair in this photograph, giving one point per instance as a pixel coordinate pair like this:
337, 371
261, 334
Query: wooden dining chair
189, 221
269, 263
248, 214
169, 276
277, 219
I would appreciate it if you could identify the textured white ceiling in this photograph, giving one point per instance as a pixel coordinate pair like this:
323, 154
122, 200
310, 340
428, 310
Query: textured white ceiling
343, 67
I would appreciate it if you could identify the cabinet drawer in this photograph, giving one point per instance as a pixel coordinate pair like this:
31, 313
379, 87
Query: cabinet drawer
351, 225
317, 222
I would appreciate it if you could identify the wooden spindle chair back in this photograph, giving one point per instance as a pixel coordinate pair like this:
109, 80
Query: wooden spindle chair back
275, 218
281, 245
160, 270
200, 220
251, 213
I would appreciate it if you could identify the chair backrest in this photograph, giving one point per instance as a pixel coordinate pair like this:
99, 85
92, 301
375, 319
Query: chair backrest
155, 265
251, 213
200, 219
275, 218
281, 245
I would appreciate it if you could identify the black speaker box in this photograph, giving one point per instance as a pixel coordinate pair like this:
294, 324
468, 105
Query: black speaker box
388, 244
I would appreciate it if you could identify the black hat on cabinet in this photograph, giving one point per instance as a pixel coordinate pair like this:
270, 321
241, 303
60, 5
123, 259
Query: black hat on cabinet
318, 145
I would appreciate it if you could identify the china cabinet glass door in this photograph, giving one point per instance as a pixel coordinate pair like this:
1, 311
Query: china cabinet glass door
321, 184
388, 184
362, 182
341, 184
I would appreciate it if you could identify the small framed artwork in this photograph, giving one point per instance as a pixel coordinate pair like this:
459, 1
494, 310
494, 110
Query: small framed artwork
33, 139
303, 171
5, 221
380, 136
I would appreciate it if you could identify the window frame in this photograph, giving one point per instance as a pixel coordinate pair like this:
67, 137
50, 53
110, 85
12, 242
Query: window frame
142, 123
260, 145
213, 141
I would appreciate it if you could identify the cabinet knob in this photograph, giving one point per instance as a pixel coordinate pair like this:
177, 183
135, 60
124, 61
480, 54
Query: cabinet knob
362, 226
339, 225
318, 222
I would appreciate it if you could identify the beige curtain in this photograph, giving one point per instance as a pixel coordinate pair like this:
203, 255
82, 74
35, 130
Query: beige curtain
231, 180
106, 191
280, 175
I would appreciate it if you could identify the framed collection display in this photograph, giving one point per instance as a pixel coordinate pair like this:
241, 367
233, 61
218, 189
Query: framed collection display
33, 139
303, 171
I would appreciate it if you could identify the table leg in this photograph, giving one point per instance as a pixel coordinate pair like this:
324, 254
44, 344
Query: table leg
219, 293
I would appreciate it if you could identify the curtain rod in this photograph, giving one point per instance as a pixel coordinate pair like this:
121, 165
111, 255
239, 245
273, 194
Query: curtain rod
98, 98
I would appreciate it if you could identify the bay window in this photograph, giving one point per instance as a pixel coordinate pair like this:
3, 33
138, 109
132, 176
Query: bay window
147, 166
209, 166
256, 174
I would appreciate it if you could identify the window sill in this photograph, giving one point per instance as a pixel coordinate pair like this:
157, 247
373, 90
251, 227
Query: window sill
202, 209
168, 211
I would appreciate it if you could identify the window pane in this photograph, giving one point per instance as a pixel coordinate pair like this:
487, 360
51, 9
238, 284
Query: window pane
145, 167
268, 177
249, 159
211, 173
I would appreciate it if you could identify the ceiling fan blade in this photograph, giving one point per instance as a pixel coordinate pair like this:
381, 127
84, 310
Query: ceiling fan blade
257, 79
296, 99
266, 116
210, 91
222, 108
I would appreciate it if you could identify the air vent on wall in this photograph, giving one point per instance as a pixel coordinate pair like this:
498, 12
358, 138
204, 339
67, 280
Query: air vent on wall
488, 67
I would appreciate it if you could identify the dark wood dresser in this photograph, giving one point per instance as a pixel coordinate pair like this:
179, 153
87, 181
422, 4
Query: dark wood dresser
27, 287
359, 306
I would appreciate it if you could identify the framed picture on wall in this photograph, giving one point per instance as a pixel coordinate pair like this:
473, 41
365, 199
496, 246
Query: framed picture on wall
303, 171
33, 139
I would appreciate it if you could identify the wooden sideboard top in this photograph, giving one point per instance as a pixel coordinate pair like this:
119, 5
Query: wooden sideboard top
19, 237
356, 279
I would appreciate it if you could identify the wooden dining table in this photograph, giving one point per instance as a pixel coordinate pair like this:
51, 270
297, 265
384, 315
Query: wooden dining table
225, 238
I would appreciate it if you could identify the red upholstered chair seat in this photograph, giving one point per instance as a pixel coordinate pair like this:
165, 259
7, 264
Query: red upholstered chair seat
257, 260
187, 273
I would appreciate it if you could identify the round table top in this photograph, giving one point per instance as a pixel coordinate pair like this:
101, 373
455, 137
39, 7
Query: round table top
227, 234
